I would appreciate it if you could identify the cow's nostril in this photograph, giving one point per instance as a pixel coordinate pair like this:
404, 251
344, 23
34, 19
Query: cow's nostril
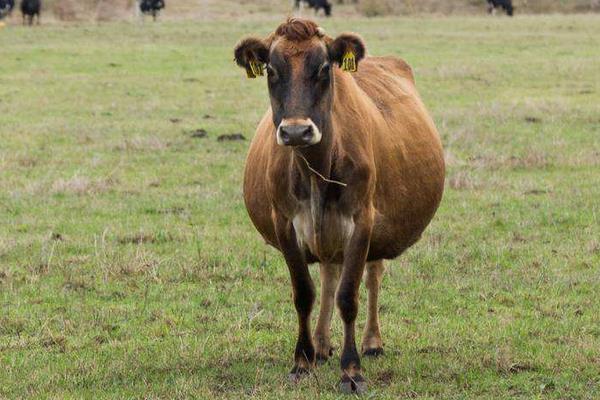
285, 136
307, 135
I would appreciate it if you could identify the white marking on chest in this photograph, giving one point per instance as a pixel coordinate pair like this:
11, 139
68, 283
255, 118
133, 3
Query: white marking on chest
304, 227
336, 229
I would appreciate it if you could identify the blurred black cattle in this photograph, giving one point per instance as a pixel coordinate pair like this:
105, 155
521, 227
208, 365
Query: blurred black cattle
31, 9
6, 7
505, 4
152, 7
317, 5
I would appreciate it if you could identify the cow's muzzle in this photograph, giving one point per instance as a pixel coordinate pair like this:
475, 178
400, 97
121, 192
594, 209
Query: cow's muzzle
298, 132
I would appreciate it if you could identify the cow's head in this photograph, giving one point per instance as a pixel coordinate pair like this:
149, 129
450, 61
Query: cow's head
299, 60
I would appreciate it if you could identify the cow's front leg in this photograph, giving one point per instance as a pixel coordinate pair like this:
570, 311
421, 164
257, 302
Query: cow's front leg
355, 254
303, 290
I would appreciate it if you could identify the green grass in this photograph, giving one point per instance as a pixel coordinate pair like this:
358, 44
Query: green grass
128, 266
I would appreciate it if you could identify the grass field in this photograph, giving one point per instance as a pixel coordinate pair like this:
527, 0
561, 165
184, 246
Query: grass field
129, 269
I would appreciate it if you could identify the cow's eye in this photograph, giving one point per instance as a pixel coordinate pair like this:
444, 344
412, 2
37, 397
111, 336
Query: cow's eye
272, 73
324, 71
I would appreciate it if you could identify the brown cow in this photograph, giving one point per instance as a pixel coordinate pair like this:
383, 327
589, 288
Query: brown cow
345, 170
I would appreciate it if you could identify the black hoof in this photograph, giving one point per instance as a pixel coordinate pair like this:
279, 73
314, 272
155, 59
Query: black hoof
354, 385
297, 373
376, 352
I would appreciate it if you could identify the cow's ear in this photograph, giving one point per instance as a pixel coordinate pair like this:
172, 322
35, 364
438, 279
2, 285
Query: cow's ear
347, 50
252, 54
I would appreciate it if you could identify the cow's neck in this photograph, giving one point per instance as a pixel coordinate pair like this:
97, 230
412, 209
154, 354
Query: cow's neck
315, 165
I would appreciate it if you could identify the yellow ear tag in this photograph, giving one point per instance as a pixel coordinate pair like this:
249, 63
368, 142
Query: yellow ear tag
255, 69
349, 62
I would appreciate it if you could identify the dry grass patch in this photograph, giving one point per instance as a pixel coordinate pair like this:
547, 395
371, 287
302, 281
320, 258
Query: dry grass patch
376, 8
81, 185
67, 10
584, 158
141, 238
139, 262
11, 326
6, 245
505, 362
142, 144
27, 161
530, 161
54, 341
451, 159
130, 256
594, 246
81, 10
113, 10
463, 180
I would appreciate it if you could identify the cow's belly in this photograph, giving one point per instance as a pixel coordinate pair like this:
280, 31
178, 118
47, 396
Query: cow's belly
336, 229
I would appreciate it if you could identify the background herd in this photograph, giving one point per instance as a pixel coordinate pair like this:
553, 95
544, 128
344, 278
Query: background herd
326, 5
31, 9
106, 10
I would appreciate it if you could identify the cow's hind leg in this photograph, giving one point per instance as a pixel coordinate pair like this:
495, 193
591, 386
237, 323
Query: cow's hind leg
372, 345
330, 274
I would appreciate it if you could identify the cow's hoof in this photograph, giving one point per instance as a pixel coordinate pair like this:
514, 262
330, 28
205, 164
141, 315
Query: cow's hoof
376, 352
354, 385
297, 373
